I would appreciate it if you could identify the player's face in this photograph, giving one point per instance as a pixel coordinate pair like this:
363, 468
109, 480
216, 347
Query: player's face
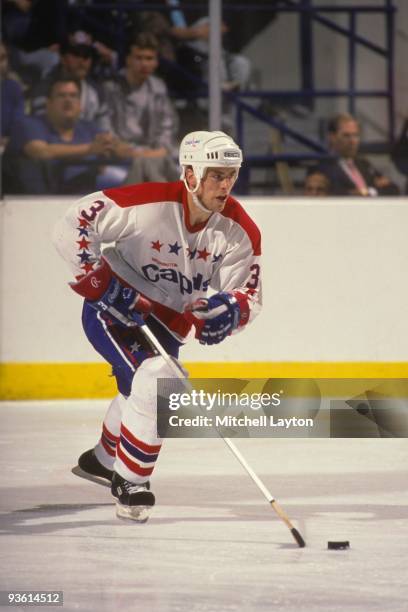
346, 141
63, 105
141, 63
216, 186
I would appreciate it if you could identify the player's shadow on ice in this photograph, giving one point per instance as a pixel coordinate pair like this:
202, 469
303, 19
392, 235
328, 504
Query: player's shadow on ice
24, 521
43, 519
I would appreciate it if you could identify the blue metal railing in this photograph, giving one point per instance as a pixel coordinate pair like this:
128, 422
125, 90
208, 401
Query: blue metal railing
387, 51
307, 93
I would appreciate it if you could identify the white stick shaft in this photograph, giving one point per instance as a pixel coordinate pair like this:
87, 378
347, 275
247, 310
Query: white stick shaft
269, 497
159, 348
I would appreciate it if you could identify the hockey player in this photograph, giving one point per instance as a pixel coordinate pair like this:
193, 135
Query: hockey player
173, 243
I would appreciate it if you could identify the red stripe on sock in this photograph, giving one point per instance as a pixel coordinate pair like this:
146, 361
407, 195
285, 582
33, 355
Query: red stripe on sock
109, 435
111, 451
132, 465
147, 448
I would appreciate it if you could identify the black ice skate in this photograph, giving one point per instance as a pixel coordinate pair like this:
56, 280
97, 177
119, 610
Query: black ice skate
91, 469
134, 501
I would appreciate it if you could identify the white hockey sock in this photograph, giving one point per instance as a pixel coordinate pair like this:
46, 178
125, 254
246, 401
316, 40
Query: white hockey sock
139, 446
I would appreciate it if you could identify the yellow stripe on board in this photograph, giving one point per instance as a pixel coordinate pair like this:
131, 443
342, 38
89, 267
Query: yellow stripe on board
41, 381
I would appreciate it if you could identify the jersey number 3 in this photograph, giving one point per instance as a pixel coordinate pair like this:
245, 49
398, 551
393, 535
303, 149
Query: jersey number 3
93, 211
254, 279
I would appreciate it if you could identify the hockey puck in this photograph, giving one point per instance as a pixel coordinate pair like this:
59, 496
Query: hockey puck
341, 545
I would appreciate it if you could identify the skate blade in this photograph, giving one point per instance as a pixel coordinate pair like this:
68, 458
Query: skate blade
96, 479
139, 514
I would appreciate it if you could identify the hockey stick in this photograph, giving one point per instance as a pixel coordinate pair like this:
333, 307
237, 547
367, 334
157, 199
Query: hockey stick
268, 496
179, 373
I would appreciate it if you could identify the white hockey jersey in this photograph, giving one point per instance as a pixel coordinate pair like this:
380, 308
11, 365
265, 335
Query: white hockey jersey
158, 252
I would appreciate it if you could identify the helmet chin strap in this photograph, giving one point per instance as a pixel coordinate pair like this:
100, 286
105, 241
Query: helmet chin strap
195, 198
199, 204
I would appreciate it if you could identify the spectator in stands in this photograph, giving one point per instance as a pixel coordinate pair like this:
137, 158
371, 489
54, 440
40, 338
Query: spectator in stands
105, 60
316, 184
349, 173
235, 68
177, 38
32, 29
76, 58
12, 99
61, 153
12, 115
141, 115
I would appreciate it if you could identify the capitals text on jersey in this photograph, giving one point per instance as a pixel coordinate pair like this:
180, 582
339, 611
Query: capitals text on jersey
153, 274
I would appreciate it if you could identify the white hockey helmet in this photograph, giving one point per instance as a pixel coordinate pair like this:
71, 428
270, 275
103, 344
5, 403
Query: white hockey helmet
202, 150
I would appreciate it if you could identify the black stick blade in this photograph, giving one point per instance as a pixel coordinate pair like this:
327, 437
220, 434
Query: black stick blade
300, 541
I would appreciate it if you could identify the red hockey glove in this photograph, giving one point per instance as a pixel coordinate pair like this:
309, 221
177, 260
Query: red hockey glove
106, 293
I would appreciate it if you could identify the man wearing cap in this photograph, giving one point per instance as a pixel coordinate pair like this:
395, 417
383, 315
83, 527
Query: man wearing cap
76, 58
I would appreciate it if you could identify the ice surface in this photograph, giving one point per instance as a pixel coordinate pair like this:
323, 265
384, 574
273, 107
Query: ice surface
213, 544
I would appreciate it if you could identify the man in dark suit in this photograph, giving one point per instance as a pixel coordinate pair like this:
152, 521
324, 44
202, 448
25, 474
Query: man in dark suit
350, 174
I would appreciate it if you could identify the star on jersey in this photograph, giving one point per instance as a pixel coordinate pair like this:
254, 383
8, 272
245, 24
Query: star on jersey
83, 244
174, 248
156, 245
87, 267
82, 231
203, 254
216, 258
84, 256
83, 222
191, 253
